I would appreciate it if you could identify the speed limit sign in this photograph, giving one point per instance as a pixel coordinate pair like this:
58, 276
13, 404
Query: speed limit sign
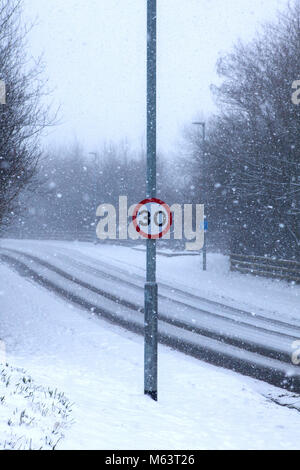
152, 218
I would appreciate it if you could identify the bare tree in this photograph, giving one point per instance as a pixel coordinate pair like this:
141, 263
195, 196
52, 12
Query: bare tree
24, 116
252, 156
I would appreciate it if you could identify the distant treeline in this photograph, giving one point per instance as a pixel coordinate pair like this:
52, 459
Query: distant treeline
248, 171
74, 182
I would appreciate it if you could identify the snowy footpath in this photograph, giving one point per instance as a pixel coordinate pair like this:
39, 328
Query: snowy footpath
95, 371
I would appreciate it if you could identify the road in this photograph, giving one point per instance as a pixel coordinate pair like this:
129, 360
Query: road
259, 346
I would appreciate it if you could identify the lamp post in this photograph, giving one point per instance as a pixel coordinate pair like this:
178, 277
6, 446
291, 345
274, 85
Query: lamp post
151, 312
204, 251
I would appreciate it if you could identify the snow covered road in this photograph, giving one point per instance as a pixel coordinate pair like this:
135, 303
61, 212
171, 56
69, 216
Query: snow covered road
100, 368
259, 345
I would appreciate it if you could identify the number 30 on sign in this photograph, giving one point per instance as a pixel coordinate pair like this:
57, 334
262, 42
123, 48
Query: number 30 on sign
152, 218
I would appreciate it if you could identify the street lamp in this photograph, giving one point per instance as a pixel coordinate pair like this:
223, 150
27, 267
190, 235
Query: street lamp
95, 154
202, 124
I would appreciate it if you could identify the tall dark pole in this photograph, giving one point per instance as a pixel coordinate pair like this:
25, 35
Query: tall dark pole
150, 367
96, 165
204, 228
204, 250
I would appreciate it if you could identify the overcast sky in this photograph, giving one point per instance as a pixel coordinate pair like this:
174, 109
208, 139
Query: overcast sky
95, 54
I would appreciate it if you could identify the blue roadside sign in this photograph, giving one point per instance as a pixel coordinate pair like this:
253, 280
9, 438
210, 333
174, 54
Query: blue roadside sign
205, 225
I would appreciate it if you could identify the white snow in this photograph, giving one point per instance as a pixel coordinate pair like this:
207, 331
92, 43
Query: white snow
99, 367
31, 416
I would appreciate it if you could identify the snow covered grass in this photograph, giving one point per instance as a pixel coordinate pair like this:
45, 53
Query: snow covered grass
100, 368
31, 416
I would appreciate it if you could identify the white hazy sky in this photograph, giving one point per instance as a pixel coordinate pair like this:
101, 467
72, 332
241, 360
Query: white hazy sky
95, 54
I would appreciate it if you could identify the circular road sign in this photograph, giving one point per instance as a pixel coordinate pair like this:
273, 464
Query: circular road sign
152, 218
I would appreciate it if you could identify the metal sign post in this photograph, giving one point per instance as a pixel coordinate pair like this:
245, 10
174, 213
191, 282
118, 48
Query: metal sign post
204, 246
150, 358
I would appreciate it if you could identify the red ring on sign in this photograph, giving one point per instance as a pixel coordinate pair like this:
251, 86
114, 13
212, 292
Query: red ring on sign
135, 213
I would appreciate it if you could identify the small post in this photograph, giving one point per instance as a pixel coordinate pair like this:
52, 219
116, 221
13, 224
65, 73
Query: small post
151, 312
204, 245
95, 154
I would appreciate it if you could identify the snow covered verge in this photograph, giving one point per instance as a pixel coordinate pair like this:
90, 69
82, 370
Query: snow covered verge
32, 417
100, 369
